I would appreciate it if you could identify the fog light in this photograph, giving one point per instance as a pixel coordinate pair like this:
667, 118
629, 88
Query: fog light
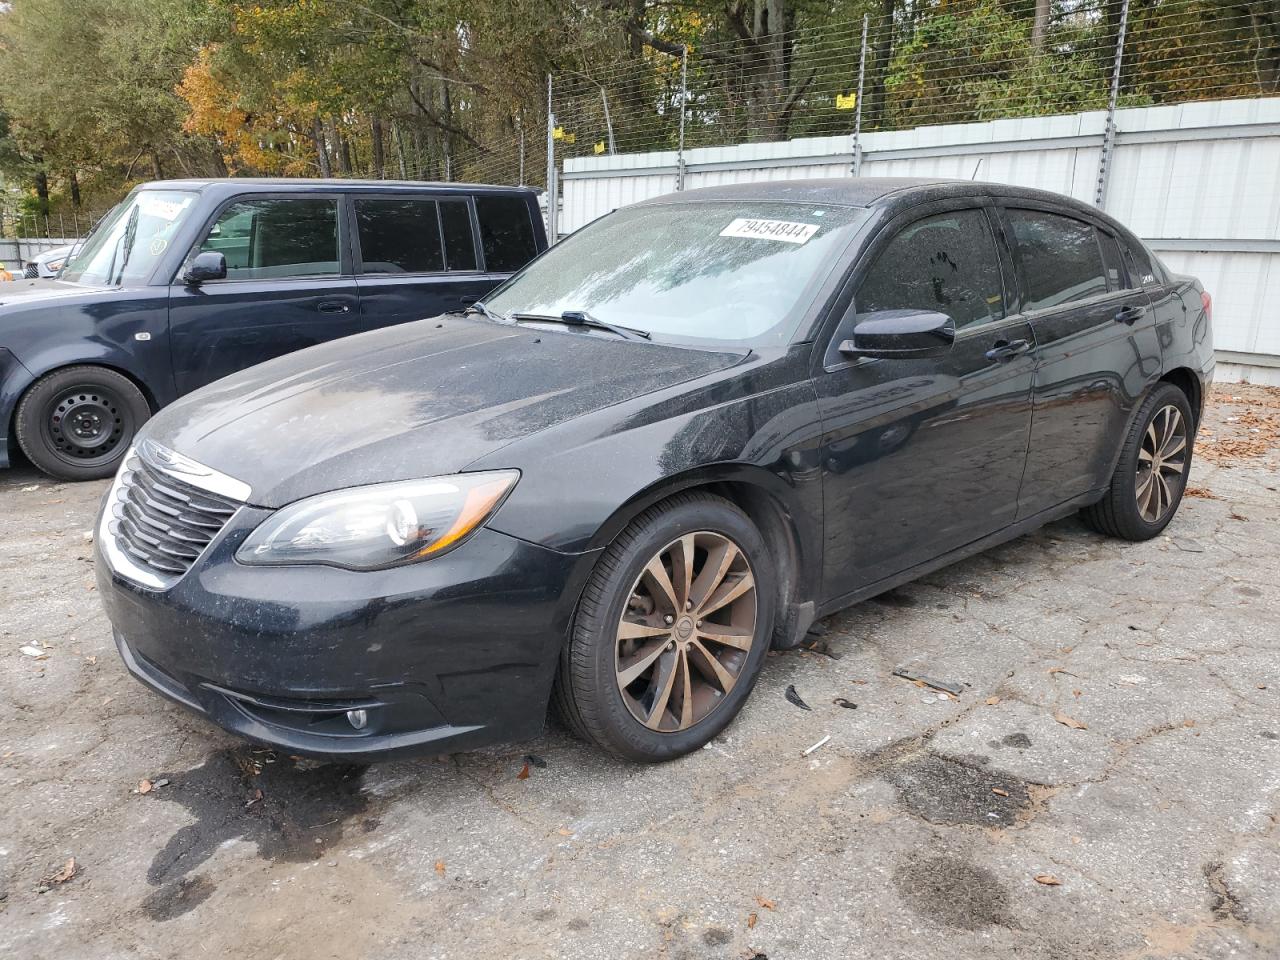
358, 718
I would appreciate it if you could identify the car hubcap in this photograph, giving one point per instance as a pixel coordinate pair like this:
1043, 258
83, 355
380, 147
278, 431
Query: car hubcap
86, 424
687, 631
1162, 461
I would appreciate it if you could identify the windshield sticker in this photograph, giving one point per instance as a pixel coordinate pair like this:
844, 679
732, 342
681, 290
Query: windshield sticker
164, 209
784, 230
157, 246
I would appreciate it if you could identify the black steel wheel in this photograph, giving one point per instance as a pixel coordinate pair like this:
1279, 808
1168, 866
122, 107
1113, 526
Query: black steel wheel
1146, 487
77, 423
671, 631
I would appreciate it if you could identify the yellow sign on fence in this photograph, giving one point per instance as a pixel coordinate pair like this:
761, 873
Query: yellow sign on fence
599, 147
846, 101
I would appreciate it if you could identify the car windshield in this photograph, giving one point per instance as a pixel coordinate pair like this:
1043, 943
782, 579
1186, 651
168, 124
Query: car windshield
124, 247
699, 272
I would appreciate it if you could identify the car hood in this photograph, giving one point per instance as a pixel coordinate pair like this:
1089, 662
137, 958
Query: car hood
28, 292
416, 400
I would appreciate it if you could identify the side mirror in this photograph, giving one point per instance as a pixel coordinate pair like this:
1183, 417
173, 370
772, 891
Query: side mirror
210, 265
901, 335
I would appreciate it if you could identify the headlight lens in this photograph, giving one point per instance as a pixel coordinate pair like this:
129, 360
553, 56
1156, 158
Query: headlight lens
385, 525
53, 266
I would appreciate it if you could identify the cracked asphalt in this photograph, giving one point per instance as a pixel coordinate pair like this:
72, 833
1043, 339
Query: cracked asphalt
1106, 785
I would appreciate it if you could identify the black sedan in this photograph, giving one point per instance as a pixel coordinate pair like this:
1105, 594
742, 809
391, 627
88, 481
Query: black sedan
669, 443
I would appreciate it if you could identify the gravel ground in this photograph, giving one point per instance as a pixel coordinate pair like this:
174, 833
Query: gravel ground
1106, 785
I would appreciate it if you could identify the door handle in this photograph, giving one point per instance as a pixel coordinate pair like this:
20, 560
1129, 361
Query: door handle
1008, 349
333, 306
1129, 315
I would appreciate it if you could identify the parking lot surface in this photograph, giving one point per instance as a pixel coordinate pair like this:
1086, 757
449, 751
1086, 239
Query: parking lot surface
1107, 783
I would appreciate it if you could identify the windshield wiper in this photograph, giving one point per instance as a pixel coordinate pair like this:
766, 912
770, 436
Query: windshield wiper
580, 318
130, 233
481, 307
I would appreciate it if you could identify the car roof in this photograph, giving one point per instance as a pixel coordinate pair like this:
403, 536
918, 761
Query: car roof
889, 194
311, 184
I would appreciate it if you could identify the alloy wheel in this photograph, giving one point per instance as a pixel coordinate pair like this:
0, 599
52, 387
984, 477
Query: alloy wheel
686, 632
1162, 461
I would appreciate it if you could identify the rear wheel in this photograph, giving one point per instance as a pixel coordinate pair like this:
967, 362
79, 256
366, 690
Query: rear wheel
671, 631
77, 423
1149, 478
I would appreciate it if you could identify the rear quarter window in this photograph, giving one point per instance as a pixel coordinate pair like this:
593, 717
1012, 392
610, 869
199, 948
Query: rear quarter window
506, 232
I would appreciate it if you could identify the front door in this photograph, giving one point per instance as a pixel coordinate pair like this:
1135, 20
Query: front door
1097, 349
923, 456
286, 288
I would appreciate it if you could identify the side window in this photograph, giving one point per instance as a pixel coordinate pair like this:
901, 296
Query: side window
1141, 272
267, 239
459, 245
1060, 257
1111, 261
399, 235
506, 232
946, 263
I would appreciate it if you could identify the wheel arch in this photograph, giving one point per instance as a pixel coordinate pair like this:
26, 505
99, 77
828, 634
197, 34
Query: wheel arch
1186, 380
147, 393
769, 503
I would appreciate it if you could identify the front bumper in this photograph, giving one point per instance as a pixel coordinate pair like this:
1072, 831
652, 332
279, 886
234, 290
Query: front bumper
450, 654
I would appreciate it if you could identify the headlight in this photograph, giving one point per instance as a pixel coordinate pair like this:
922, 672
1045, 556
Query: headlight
385, 525
53, 266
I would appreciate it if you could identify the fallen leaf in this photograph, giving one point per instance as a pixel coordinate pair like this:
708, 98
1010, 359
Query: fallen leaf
1048, 879
847, 704
767, 904
565, 832
91, 660
992, 701
524, 773
752, 920
1071, 722
1076, 693
440, 867
69, 870
1188, 723
144, 786
999, 793
33, 652
254, 798
1235, 516
793, 697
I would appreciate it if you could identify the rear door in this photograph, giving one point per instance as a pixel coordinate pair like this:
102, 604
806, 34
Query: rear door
921, 457
417, 256
1096, 347
288, 286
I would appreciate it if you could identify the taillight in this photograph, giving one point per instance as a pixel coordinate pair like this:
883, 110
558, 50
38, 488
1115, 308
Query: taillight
1207, 301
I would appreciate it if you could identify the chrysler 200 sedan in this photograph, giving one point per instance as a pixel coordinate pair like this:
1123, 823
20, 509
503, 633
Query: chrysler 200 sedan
666, 445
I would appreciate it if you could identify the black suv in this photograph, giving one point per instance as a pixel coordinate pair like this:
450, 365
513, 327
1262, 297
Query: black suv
186, 281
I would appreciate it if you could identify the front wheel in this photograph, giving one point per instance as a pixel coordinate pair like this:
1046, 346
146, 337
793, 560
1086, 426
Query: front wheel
1151, 475
671, 631
77, 423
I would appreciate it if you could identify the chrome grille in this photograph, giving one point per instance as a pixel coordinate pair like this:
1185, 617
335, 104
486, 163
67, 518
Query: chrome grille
31, 271
162, 523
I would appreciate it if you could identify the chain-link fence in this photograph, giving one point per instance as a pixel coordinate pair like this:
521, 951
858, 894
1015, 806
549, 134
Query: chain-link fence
945, 62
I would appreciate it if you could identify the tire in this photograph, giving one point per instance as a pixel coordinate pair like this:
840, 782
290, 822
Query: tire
1123, 512
589, 693
107, 409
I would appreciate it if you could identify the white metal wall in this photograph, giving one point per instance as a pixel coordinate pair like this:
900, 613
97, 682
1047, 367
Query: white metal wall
1199, 181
